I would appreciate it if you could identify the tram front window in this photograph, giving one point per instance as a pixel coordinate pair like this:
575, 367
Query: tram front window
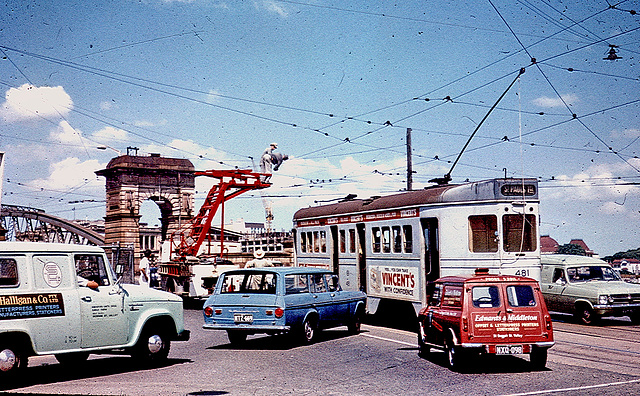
483, 231
519, 233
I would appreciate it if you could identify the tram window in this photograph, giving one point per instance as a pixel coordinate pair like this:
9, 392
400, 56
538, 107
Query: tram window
407, 234
323, 241
316, 242
303, 242
483, 231
352, 240
343, 241
386, 240
397, 239
519, 233
377, 236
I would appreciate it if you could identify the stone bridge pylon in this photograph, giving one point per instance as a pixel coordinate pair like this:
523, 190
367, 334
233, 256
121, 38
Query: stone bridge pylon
131, 180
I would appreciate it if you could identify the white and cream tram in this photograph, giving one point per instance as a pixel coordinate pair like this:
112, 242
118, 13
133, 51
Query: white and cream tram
392, 246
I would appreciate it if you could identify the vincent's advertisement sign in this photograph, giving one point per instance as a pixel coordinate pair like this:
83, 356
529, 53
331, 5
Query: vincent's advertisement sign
394, 282
31, 305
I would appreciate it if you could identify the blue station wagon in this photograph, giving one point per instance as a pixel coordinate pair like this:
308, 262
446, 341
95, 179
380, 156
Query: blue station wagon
297, 300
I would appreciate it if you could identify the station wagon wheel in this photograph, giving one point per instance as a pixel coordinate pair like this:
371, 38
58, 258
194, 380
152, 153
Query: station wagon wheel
309, 331
153, 345
538, 358
236, 337
635, 317
356, 323
12, 360
454, 358
586, 315
72, 359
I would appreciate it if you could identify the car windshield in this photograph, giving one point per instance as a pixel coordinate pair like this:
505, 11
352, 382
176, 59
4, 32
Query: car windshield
588, 273
249, 282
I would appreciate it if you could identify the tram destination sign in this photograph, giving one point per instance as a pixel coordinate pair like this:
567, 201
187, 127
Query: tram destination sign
514, 190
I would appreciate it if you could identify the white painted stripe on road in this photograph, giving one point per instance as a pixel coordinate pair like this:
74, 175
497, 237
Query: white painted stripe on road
578, 388
389, 339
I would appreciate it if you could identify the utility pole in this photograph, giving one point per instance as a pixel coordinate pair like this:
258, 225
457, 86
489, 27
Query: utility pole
409, 164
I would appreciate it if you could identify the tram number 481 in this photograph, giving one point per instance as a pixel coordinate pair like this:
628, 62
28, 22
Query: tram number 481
523, 272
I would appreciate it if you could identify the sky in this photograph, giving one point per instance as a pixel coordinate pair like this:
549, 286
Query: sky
336, 84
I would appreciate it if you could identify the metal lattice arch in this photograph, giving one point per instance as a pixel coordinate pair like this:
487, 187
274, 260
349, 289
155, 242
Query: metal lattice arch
28, 224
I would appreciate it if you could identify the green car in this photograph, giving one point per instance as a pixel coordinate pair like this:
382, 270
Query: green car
588, 288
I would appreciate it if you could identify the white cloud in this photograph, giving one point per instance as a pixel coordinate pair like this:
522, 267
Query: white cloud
29, 102
70, 173
545, 101
65, 133
273, 7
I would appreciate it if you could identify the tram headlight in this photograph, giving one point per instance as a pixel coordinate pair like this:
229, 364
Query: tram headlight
604, 299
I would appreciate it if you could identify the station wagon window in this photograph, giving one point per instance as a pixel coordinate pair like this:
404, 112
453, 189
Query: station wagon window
294, 284
317, 280
8, 272
377, 237
91, 267
332, 282
408, 238
452, 296
483, 232
485, 296
521, 296
343, 241
519, 233
352, 240
249, 282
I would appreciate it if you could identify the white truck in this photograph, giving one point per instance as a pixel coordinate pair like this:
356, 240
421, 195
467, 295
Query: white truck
64, 300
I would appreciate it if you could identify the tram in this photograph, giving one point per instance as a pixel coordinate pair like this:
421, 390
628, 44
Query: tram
392, 246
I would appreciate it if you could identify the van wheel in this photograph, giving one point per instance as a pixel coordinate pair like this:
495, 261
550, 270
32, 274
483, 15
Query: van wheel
12, 360
236, 337
586, 315
153, 346
538, 358
72, 359
423, 349
454, 358
309, 331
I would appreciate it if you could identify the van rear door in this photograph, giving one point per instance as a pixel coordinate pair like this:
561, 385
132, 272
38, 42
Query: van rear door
524, 312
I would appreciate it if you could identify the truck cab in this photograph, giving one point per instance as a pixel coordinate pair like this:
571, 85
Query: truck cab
64, 300
486, 314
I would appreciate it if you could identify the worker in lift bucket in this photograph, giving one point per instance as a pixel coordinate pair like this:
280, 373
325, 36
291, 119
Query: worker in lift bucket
271, 161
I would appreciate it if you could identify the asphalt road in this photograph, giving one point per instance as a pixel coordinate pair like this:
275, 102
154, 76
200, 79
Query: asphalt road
603, 360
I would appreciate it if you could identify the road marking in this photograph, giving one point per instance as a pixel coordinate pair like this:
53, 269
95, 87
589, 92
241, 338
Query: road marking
578, 388
389, 339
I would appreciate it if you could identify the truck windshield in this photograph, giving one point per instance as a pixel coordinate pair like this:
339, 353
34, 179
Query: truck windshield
587, 273
249, 282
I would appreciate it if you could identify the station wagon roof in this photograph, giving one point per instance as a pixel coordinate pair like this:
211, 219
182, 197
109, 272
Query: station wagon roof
570, 259
283, 270
45, 247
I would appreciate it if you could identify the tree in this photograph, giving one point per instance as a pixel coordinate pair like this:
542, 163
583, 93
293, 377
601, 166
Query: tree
570, 248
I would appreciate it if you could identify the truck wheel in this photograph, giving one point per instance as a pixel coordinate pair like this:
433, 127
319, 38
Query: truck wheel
72, 359
538, 358
153, 345
12, 360
309, 331
236, 337
586, 315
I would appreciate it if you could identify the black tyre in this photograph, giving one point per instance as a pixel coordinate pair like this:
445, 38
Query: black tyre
585, 315
454, 355
423, 349
309, 330
12, 360
356, 324
538, 358
72, 359
635, 318
153, 345
236, 337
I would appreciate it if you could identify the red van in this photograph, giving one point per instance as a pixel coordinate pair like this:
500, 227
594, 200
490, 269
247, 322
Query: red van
486, 314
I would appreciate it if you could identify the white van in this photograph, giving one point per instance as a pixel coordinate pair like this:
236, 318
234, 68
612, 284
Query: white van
64, 300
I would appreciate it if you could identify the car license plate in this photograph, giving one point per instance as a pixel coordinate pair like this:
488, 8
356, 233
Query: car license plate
508, 349
243, 318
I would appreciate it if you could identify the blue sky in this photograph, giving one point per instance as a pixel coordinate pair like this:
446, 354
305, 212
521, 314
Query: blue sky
336, 84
